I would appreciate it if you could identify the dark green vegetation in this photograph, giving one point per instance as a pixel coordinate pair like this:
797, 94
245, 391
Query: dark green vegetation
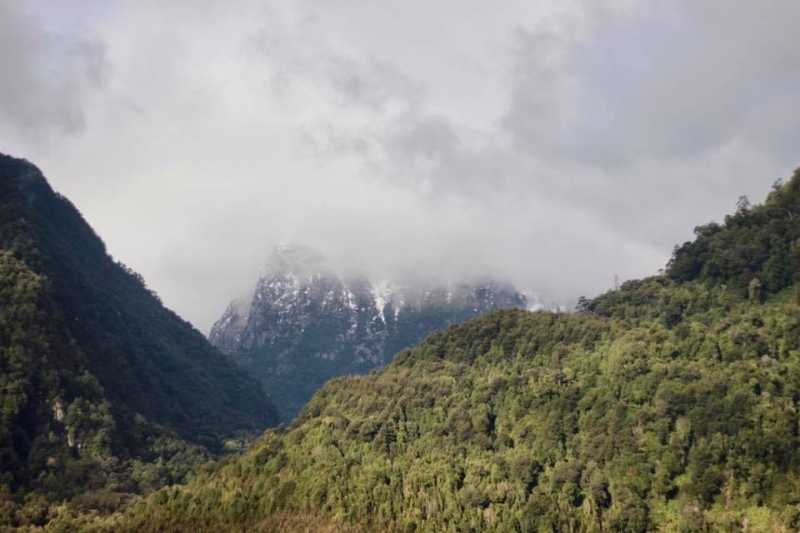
755, 253
103, 392
669, 405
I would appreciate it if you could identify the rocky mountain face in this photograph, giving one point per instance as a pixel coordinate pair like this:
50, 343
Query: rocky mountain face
304, 324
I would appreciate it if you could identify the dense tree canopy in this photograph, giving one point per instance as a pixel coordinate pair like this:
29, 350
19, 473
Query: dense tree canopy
756, 243
668, 405
538, 422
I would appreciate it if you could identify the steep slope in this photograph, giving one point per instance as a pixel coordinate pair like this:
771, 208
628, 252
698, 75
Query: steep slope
304, 324
664, 406
97, 378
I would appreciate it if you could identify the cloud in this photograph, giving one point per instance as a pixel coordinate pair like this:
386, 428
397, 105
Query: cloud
660, 114
672, 80
45, 75
554, 144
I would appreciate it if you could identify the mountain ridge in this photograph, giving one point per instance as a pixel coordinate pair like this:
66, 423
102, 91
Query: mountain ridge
304, 323
104, 393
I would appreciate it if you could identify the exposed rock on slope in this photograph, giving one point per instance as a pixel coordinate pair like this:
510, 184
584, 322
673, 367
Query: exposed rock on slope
304, 324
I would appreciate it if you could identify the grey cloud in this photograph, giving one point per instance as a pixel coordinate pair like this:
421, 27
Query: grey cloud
373, 84
44, 75
625, 118
550, 144
661, 115
676, 79
295, 55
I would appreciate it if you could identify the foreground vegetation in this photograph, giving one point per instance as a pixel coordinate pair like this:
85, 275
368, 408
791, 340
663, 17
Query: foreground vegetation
520, 422
669, 405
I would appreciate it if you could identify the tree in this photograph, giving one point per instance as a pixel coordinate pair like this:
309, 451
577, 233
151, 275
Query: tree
742, 204
584, 305
754, 290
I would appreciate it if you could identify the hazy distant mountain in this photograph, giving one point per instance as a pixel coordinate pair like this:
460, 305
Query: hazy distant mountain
304, 324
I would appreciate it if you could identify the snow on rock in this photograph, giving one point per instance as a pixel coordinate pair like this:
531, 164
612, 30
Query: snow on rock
304, 323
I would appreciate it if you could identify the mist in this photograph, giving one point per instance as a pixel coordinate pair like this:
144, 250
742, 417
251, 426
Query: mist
554, 146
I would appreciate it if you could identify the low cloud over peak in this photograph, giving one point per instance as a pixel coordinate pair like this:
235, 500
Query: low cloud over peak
551, 145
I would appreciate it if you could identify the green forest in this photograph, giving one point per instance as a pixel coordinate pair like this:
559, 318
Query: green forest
668, 405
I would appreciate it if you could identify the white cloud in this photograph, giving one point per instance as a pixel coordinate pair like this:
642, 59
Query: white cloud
45, 75
553, 144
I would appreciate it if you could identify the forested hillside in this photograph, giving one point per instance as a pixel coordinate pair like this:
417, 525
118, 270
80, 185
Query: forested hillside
669, 405
756, 251
103, 392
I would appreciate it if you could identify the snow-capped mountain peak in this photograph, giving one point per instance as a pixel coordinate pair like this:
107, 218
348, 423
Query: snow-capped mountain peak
305, 324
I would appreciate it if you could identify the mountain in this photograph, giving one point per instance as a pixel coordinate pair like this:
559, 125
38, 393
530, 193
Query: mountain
670, 404
102, 389
305, 324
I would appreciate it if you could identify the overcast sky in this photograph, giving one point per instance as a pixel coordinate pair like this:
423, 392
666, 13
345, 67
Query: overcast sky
551, 143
